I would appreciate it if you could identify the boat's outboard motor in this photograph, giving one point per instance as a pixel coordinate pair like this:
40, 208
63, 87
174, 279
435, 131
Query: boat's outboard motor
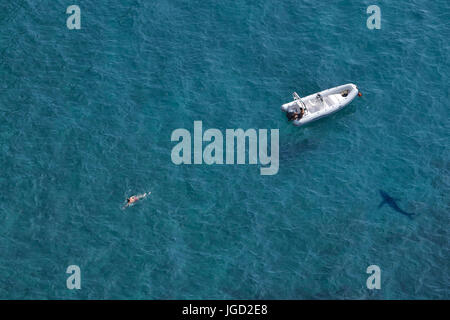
290, 115
291, 111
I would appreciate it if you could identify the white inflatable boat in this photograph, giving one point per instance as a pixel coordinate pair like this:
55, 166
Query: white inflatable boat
318, 105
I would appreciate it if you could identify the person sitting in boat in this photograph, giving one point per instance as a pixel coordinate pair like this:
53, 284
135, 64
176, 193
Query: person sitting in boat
319, 97
344, 93
292, 115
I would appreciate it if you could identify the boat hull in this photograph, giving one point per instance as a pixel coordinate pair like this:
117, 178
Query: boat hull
332, 100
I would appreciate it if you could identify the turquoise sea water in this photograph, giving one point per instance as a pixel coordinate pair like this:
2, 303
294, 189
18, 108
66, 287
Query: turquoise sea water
86, 117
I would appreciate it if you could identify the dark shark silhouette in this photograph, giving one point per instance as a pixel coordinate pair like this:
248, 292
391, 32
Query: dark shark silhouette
387, 199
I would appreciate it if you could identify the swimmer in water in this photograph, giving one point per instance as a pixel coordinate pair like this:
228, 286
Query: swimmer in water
134, 199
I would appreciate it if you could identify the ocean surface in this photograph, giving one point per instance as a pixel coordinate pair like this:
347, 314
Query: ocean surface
86, 118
